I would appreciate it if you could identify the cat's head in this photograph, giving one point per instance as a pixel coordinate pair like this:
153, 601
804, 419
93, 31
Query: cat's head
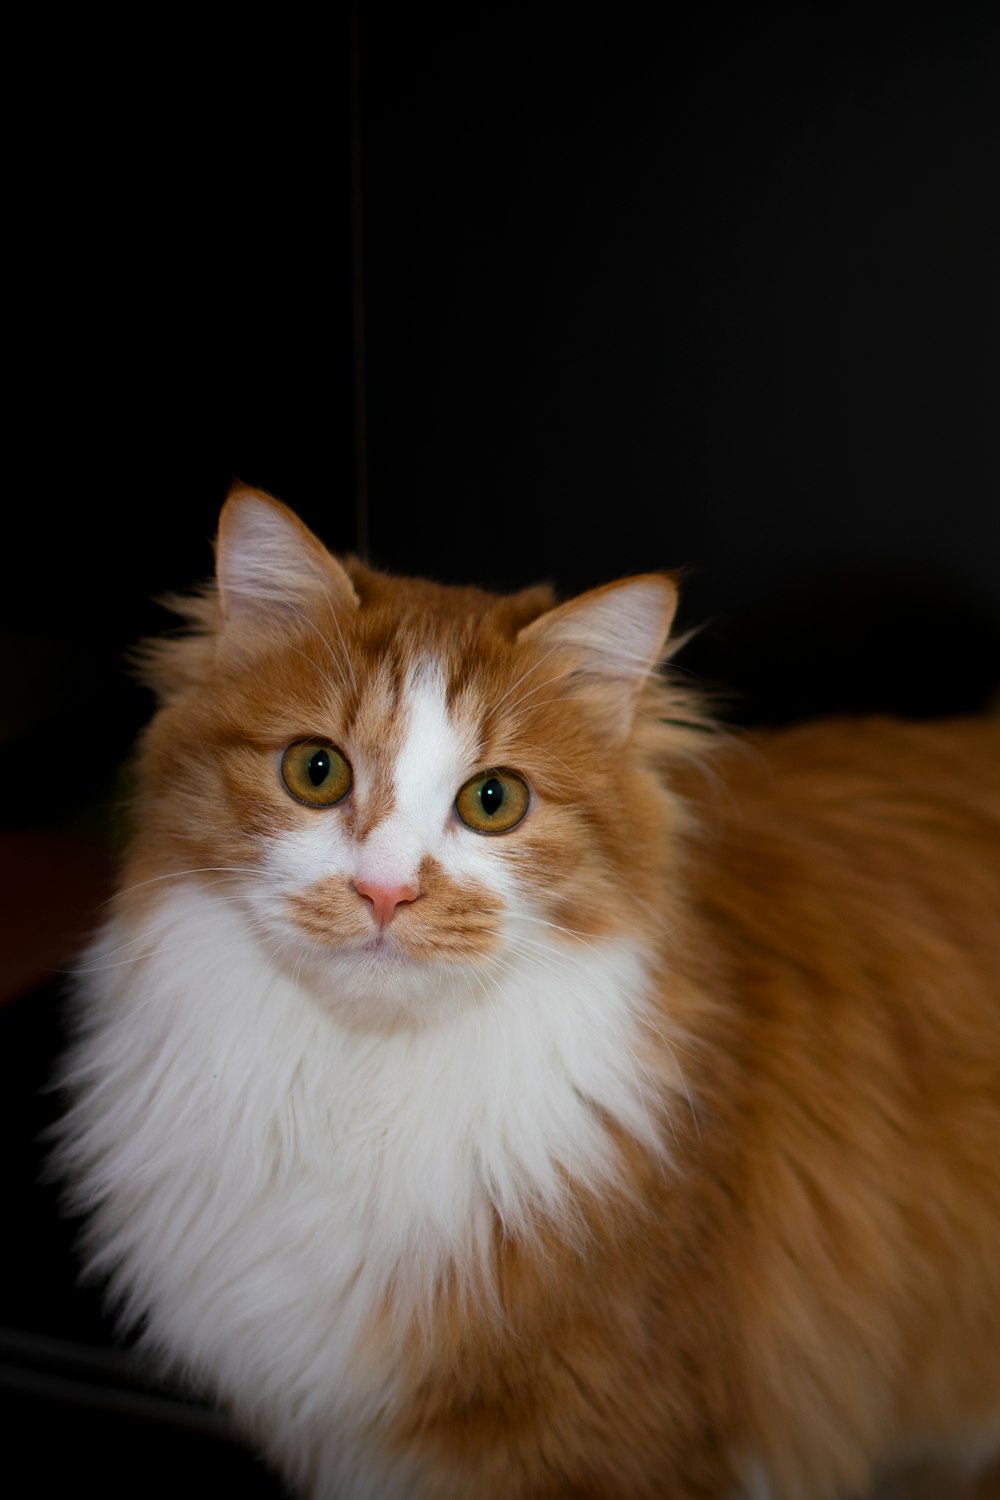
407, 786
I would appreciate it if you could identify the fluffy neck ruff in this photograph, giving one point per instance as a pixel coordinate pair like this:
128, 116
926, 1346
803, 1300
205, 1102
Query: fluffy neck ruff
239, 1143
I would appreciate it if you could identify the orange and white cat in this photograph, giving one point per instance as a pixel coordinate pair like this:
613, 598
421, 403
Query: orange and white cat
491, 1083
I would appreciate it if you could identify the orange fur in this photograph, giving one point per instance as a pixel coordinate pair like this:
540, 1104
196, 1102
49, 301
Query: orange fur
822, 1278
814, 1279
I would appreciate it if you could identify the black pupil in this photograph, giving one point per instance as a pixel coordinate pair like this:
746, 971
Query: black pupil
491, 795
319, 767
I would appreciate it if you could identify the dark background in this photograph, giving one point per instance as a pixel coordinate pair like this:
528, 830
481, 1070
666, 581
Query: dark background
717, 292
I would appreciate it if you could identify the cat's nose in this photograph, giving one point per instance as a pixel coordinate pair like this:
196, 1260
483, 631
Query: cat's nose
385, 899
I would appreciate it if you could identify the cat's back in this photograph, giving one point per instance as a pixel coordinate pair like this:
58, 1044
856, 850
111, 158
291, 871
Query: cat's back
904, 816
845, 769
846, 879
848, 875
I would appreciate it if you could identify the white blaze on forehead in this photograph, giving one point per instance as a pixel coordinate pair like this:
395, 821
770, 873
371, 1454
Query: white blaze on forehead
426, 778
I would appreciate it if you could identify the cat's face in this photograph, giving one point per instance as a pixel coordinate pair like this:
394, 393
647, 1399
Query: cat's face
414, 789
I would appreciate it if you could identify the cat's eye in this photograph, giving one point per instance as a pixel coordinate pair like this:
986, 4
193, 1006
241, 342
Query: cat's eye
493, 802
315, 772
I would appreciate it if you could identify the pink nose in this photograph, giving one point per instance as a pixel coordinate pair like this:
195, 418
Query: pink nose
385, 899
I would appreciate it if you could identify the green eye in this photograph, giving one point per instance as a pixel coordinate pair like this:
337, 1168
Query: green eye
316, 773
493, 803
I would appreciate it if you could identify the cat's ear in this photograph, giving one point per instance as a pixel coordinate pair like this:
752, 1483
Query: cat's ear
610, 640
269, 563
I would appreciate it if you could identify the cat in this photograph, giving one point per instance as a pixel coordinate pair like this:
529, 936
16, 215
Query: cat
495, 1081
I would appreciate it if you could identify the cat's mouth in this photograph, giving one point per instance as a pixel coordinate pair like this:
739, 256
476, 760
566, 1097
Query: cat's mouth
346, 932
384, 945
388, 951
400, 955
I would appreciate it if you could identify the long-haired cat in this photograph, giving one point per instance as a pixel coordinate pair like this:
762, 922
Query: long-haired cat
490, 1083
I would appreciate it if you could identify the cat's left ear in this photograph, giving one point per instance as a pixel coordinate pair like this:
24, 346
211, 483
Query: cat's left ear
610, 639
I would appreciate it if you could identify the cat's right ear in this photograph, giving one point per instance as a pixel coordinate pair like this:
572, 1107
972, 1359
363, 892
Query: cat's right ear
269, 564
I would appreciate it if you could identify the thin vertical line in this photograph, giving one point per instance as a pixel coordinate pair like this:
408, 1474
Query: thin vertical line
358, 298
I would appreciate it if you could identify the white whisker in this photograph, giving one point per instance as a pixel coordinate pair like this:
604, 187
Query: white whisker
182, 874
495, 707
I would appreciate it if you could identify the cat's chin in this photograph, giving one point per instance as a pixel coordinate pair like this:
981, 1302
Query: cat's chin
380, 988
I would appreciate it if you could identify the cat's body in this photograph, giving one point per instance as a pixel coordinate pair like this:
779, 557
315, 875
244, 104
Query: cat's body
639, 1137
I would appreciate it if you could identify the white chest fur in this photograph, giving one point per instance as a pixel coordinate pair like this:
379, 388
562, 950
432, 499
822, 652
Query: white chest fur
258, 1173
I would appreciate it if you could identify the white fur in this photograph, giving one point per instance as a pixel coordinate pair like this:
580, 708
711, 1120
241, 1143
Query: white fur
264, 1167
437, 755
261, 1173
435, 758
429, 770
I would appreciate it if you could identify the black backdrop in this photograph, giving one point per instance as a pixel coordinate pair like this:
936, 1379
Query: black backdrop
718, 291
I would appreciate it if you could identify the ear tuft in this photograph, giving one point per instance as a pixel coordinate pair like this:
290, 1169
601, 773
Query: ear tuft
268, 562
614, 636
